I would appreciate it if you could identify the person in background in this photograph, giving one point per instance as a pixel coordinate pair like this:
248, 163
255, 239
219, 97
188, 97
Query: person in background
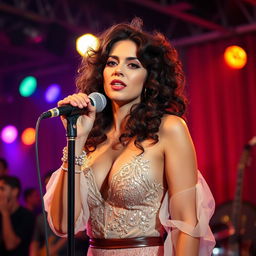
32, 200
17, 223
57, 245
137, 187
3, 166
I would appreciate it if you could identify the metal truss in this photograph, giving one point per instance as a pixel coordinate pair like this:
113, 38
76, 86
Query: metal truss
78, 15
185, 22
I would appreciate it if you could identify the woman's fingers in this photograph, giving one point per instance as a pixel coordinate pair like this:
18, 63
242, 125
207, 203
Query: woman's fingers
84, 122
91, 110
80, 100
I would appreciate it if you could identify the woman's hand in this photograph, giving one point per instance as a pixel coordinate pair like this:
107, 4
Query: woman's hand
84, 122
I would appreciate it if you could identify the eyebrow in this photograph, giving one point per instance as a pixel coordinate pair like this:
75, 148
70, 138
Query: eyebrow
128, 58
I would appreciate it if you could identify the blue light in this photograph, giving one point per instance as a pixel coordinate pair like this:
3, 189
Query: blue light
217, 251
52, 93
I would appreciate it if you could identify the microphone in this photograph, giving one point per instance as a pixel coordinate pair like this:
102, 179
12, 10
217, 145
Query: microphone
97, 99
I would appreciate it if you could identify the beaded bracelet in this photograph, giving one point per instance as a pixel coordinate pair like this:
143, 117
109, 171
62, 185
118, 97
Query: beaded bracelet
66, 170
79, 160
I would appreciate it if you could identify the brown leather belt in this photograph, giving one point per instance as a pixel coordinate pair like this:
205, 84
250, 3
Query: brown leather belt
135, 242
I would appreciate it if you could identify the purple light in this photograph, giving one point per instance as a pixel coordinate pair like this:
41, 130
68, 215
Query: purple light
9, 134
52, 93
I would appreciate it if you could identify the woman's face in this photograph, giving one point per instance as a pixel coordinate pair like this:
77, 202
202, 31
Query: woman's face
123, 74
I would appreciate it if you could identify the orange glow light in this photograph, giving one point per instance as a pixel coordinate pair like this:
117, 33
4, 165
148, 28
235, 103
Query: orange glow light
235, 57
28, 136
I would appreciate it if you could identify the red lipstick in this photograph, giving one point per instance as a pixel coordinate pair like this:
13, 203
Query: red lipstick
117, 85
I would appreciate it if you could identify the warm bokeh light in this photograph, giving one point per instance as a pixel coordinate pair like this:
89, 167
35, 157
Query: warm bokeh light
9, 134
28, 86
52, 93
85, 43
28, 136
235, 57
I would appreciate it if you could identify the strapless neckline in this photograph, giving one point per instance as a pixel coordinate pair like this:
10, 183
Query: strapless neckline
136, 159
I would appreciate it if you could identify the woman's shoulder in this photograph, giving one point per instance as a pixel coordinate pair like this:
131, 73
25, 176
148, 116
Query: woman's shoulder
174, 132
172, 125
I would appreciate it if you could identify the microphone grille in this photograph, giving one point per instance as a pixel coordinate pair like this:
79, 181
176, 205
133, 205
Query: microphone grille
99, 101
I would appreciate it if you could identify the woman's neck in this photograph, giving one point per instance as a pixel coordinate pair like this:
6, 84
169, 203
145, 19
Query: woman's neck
119, 113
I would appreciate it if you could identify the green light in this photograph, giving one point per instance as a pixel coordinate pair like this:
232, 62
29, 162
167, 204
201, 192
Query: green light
28, 86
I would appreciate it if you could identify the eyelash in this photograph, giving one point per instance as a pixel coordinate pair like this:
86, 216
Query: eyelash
135, 66
111, 63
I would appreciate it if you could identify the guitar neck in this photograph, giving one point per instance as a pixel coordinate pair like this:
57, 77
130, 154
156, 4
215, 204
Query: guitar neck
236, 207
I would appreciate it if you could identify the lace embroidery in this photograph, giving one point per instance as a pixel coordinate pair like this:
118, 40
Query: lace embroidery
133, 200
132, 204
96, 205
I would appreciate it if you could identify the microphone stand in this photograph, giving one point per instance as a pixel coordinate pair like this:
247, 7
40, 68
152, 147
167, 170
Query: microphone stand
71, 135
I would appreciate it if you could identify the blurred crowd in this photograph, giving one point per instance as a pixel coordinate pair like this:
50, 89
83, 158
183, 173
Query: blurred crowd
22, 229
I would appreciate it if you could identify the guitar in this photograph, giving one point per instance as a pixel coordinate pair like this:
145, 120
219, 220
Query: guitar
233, 222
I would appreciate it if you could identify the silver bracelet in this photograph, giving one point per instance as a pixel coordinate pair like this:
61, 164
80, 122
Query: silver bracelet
66, 170
79, 160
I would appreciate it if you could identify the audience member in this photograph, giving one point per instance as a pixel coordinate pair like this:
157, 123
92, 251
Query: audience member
57, 245
32, 200
17, 223
3, 167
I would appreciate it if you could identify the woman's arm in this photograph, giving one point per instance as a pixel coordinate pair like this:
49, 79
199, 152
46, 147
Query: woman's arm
58, 208
181, 174
58, 205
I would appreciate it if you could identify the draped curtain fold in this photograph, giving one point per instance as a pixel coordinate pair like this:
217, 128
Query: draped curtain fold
221, 117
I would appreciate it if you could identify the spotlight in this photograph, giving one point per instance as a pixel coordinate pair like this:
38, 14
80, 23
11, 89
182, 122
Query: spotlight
235, 57
52, 93
28, 86
9, 134
85, 43
28, 136
217, 251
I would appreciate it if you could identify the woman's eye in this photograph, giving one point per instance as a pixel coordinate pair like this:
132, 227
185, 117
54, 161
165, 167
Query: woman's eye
133, 65
110, 63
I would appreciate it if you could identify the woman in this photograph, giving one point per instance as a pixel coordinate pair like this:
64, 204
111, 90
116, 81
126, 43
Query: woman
139, 181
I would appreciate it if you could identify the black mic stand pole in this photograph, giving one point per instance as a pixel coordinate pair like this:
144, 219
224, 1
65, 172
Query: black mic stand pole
71, 135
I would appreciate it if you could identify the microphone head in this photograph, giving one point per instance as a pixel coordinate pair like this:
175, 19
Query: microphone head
98, 100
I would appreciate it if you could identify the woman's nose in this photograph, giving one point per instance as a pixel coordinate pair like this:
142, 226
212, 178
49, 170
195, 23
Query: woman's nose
118, 71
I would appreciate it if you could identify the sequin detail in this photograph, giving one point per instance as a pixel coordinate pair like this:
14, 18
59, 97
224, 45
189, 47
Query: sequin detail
132, 205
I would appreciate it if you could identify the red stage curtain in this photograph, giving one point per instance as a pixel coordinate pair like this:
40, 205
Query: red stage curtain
221, 118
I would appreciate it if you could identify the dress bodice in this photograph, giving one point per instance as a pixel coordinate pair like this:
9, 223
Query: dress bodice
132, 204
136, 205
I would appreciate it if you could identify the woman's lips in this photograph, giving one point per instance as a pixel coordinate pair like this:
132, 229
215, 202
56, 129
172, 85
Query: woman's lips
117, 85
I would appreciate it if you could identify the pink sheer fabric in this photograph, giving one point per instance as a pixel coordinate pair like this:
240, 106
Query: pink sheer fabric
204, 211
205, 206
82, 220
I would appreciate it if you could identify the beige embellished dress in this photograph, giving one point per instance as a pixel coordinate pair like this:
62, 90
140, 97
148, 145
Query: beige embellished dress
138, 206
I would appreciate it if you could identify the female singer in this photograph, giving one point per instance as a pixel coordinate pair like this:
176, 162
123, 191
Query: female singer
137, 187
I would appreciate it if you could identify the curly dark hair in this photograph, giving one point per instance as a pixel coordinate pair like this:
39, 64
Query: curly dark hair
162, 90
